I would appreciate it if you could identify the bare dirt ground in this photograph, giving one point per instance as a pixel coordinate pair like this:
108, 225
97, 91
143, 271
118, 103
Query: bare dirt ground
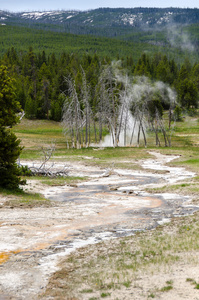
110, 204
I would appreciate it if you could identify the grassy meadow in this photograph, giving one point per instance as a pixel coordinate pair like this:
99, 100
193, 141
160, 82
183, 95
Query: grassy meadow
35, 134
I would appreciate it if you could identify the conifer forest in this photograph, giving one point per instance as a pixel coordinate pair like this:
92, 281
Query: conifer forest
90, 92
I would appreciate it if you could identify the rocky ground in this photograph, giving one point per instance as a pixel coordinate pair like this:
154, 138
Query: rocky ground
110, 204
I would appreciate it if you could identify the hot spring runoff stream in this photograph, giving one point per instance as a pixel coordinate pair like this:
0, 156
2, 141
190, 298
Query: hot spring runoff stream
107, 205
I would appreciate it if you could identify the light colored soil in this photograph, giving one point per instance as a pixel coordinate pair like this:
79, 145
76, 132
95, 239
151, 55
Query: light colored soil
111, 203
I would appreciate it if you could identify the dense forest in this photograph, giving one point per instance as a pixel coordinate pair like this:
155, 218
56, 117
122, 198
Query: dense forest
53, 42
175, 42
91, 89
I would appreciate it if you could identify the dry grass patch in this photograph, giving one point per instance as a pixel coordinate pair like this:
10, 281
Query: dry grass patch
116, 264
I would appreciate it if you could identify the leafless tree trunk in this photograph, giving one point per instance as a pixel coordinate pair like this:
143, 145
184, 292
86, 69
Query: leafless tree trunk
87, 109
72, 115
133, 131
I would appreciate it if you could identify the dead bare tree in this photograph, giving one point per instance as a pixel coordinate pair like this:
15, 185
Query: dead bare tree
45, 168
124, 111
47, 154
72, 119
125, 107
112, 104
87, 113
147, 108
102, 107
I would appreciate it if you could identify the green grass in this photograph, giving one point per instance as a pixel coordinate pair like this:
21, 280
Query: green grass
192, 281
41, 131
104, 295
191, 188
58, 181
127, 284
35, 134
193, 161
23, 199
113, 265
166, 288
86, 291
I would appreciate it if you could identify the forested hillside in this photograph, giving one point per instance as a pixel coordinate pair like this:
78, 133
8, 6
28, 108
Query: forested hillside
52, 42
109, 22
113, 32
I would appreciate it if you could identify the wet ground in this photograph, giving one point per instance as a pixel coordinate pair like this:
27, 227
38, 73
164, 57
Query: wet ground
112, 203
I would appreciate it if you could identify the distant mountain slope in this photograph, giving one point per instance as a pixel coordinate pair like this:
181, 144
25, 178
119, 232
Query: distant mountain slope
173, 31
103, 21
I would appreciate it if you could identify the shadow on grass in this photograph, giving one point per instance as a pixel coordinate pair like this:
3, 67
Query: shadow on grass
22, 199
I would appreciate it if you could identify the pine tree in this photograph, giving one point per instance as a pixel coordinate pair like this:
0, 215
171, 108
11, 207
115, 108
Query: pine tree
9, 144
188, 94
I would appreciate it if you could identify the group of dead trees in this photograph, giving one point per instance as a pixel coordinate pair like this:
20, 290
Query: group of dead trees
45, 167
126, 108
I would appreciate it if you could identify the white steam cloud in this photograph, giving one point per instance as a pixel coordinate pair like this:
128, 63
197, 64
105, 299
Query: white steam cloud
178, 38
137, 91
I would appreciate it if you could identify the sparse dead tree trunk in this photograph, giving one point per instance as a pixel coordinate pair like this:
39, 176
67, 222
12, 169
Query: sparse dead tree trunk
143, 132
113, 116
138, 137
113, 105
133, 131
87, 109
101, 99
120, 122
124, 100
155, 130
72, 115
106, 99
95, 130
47, 154
162, 127
127, 116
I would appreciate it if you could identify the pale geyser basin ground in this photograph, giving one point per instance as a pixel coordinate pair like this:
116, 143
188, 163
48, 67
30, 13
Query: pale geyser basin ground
104, 207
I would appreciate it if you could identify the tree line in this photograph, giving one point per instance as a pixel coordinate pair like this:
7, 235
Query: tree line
42, 83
